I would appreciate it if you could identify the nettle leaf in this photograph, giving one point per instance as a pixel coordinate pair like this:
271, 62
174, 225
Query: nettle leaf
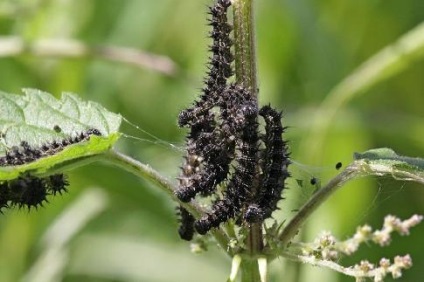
384, 161
38, 119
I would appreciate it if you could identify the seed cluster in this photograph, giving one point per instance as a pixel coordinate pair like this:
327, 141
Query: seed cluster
224, 146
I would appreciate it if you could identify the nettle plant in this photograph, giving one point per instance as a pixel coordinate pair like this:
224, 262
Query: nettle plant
233, 175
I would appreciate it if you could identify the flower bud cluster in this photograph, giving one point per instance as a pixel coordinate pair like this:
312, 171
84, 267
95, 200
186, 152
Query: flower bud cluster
325, 250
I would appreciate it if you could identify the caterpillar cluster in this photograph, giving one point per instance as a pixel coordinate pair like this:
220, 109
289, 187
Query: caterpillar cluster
223, 146
19, 155
241, 119
30, 191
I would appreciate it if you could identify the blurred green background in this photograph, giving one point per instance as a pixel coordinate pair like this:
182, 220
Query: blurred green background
305, 48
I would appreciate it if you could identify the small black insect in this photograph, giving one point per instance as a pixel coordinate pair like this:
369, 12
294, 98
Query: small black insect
57, 128
338, 165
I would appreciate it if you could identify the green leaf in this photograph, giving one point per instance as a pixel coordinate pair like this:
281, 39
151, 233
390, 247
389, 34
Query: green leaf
38, 118
383, 161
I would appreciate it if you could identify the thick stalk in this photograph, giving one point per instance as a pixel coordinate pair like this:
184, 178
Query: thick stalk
244, 44
245, 70
250, 270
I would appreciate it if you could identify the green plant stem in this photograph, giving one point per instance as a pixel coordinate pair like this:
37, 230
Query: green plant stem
245, 70
250, 270
70, 165
315, 201
400, 168
67, 48
244, 44
390, 61
235, 266
143, 171
147, 172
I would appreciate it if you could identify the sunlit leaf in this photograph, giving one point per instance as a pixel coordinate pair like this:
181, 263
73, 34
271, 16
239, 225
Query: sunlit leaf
383, 161
37, 118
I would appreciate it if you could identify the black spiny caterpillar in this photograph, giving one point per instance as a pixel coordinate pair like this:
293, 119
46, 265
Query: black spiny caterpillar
186, 229
26, 154
275, 160
30, 191
219, 65
224, 133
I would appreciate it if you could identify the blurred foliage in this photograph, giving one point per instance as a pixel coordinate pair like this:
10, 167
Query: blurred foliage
304, 49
